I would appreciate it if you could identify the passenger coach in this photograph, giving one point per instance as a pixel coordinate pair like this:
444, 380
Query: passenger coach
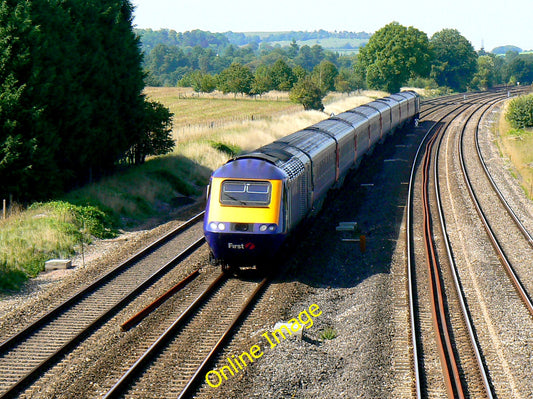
257, 199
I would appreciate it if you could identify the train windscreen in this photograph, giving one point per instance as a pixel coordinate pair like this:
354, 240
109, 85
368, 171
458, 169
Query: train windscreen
245, 193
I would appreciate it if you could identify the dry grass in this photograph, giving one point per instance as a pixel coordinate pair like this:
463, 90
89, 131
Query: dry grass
194, 141
517, 145
190, 108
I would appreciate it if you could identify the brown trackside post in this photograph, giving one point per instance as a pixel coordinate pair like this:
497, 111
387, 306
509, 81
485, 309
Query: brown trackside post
362, 243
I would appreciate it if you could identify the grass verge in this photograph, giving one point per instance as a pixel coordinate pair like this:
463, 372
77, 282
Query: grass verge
45, 231
517, 145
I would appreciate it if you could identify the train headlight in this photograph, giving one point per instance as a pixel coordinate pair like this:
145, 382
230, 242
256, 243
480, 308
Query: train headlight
213, 226
221, 226
263, 227
272, 227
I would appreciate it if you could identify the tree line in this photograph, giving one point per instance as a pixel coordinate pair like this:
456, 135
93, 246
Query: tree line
394, 56
71, 103
219, 41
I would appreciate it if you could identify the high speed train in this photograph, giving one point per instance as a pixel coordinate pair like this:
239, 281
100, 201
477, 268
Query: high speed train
258, 198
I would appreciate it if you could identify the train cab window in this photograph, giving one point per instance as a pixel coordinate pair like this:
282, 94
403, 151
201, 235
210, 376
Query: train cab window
245, 193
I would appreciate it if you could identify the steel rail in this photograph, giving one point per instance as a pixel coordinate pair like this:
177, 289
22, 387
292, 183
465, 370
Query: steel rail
20, 336
410, 271
466, 314
122, 384
47, 362
409, 250
138, 317
226, 335
522, 292
452, 377
504, 202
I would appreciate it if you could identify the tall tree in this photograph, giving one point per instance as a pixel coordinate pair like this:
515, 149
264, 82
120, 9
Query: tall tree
393, 55
455, 60
282, 76
307, 92
485, 77
520, 69
71, 91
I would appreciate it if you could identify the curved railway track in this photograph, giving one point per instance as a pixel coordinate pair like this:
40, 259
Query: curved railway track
26, 355
513, 221
442, 298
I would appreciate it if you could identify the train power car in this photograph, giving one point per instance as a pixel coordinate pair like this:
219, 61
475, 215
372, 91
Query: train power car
258, 198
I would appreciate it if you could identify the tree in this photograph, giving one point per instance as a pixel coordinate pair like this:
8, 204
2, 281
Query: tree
347, 81
17, 148
455, 60
282, 76
262, 80
520, 69
201, 82
307, 92
325, 74
236, 79
393, 55
158, 140
71, 94
485, 77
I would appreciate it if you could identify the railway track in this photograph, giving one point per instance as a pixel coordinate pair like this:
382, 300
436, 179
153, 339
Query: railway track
462, 372
179, 357
171, 358
505, 230
28, 354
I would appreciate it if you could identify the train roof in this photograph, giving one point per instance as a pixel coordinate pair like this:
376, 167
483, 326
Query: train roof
250, 168
380, 106
287, 156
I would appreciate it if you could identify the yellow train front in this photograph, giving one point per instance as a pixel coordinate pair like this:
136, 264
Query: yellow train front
243, 223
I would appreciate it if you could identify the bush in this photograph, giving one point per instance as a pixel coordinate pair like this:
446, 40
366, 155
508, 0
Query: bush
520, 112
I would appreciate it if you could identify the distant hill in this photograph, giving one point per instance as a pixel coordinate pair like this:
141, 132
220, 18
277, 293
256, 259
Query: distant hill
504, 49
341, 42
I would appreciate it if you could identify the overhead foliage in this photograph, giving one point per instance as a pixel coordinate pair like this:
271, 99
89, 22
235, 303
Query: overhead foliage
393, 55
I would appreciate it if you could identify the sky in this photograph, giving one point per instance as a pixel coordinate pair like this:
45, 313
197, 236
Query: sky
483, 22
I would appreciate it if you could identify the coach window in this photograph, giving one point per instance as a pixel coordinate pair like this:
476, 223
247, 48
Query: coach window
245, 193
